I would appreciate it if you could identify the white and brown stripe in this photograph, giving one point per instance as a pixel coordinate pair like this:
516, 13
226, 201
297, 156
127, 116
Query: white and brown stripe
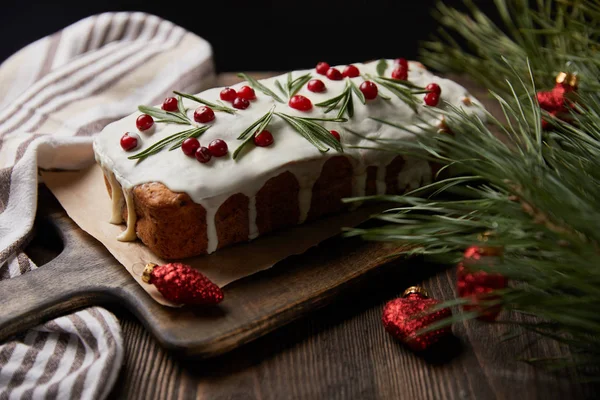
60, 91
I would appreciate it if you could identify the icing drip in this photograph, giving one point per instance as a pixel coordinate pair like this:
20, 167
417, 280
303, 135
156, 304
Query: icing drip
252, 227
129, 234
212, 237
306, 177
117, 199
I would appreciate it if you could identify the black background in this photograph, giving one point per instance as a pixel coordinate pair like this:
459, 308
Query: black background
254, 35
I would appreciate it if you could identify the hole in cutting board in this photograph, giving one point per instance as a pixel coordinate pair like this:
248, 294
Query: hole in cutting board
46, 244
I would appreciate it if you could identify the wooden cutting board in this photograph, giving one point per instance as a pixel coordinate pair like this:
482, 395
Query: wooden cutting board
85, 273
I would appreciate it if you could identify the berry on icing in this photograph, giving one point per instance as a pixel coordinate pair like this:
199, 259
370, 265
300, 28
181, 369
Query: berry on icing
144, 122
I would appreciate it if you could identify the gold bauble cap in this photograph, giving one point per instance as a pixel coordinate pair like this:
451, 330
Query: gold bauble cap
147, 274
415, 290
567, 78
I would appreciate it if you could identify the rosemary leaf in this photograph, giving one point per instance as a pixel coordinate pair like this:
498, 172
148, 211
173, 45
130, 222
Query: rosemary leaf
297, 84
280, 87
194, 133
315, 133
259, 86
164, 116
214, 106
174, 138
253, 128
381, 67
359, 94
256, 127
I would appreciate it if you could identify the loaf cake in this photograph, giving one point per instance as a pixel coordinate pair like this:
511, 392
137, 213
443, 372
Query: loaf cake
201, 172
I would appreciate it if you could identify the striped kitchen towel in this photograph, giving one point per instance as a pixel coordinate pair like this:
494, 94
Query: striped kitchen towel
57, 93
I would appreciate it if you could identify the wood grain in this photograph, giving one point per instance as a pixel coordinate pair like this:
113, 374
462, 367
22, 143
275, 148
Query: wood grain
342, 351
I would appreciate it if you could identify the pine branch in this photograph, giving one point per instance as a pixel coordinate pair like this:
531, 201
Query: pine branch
539, 192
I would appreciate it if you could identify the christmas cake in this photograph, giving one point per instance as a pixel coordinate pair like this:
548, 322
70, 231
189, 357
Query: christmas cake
201, 172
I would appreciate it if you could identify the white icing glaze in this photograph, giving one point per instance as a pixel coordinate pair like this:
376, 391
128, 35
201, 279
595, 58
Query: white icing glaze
116, 216
129, 233
212, 183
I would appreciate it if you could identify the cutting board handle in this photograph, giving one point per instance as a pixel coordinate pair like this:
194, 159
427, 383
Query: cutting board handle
55, 288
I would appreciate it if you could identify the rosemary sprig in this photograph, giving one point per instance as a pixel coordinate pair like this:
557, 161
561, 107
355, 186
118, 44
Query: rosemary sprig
259, 86
161, 115
258, 126
293, 86
345, 98
175, 140
315, 133
381, 67
401, 89
308, 127
214, 106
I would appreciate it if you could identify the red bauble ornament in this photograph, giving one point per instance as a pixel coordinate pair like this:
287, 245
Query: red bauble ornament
402, 63
240, 103
228, 94
203, 155
336, 135
432, 99
476, 284
300, 102
400, 74
369, 89
322, 68
218, 148
434, 88
316, 86
181, 284
144, 122
334, 74
351, 71
204, 114
170, 104
263, 139
189, 146
129, 141
401, 318
556, 101
246, 92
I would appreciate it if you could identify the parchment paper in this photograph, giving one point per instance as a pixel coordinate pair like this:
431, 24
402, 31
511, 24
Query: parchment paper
85, 199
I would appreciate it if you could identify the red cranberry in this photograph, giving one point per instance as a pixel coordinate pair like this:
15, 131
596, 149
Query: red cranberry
246, 92
218, 148
240, 103
300, 102
228, 94
322, 68
204, 114
334, 74
400, 74
129, 141
402, 63
263, 139
144, 122
170, 104
369, 89
203, 155
336, 135
189, 146
434, 88
432, 99
351, 71
316, 86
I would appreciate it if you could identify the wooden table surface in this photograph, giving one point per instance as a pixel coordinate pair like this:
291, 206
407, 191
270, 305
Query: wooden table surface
343, 352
